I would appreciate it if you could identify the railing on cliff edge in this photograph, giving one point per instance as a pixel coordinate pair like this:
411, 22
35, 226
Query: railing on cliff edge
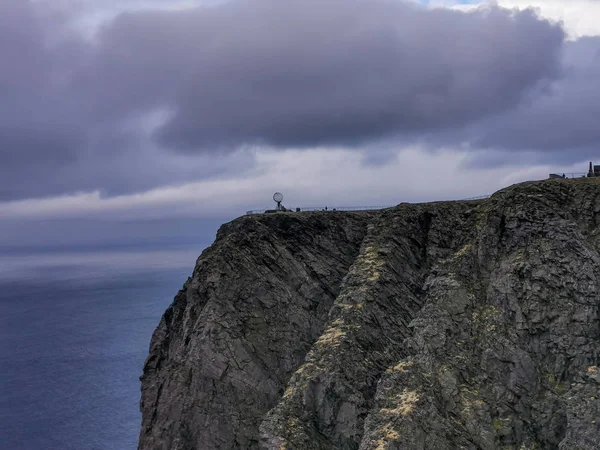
349, 208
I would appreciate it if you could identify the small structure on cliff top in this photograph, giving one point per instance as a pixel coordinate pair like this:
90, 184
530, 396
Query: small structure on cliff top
278, 198
593, 171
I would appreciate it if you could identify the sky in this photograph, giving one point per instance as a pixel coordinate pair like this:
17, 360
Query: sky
144, 120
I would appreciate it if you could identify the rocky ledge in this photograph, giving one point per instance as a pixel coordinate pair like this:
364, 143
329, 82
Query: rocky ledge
448, 325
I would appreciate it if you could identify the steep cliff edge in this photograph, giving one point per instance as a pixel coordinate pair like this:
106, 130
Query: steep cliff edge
445, 325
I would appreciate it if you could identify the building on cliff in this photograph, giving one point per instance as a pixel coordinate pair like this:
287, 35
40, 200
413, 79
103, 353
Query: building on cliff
593, 171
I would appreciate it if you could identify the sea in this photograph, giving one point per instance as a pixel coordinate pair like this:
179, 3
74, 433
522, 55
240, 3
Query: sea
75, 327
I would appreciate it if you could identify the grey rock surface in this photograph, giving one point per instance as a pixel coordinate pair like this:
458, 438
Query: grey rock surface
448, 325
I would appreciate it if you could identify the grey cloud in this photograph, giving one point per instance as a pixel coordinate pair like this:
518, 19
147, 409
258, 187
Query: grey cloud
284, 74
560, 123
55, 137
37, 122
304, 73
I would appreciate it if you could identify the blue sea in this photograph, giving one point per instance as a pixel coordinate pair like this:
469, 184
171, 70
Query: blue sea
74, 333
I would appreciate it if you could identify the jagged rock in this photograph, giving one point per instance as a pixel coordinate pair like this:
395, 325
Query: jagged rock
449, 325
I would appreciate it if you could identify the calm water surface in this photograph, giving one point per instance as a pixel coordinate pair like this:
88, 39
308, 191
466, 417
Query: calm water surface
74, 333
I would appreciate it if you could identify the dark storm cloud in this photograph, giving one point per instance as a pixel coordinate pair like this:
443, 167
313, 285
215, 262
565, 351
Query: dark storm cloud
53, 138
25, 72
285, 74
562, 122
339, 72
39, 130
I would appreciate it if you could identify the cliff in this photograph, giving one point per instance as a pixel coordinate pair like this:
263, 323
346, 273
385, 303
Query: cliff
446, 325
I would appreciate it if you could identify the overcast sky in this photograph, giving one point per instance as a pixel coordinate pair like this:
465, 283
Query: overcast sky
121, 115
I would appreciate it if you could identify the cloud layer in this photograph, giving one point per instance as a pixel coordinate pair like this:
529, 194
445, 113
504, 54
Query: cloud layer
306, 177
166, 97
562, 120
306, 73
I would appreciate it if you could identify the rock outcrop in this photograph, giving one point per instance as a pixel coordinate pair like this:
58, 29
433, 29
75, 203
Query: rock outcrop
448, 325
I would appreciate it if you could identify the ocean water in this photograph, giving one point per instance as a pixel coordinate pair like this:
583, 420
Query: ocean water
74, 334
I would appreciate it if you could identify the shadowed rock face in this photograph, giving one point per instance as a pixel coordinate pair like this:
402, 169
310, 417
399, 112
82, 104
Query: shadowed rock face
447, 325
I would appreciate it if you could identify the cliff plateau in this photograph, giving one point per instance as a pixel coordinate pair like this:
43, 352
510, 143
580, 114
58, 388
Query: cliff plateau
446, 325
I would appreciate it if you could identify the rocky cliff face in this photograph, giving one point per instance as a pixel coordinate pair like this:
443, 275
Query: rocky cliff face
448, 325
